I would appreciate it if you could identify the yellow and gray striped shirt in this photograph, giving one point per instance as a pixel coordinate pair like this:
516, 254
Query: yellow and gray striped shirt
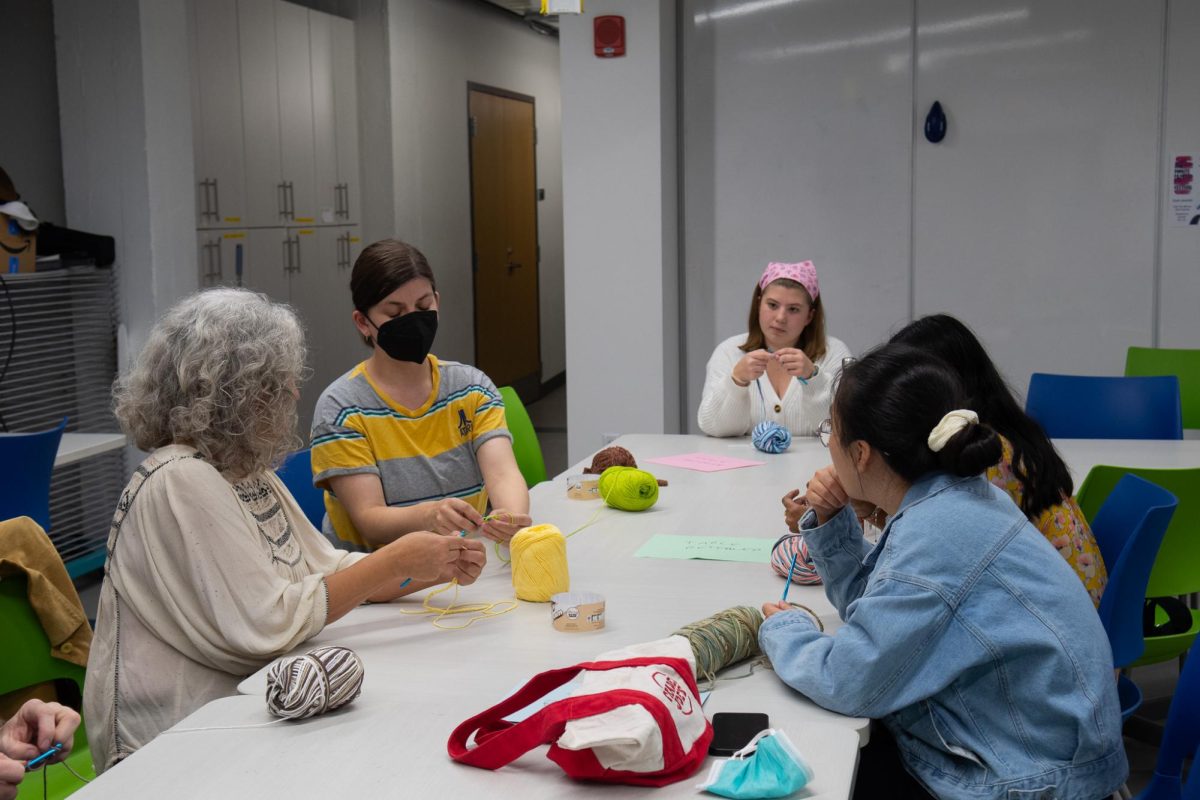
419, 454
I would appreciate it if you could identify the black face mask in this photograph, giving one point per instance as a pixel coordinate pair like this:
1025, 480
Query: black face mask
407, 338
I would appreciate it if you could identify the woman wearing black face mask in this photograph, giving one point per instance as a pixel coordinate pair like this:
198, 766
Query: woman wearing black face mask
405, 441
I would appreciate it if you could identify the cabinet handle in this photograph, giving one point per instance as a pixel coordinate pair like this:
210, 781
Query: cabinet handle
220, 275
203, 199
346, 210
281, 195
287, 255
216, 201
298, 253
291, 200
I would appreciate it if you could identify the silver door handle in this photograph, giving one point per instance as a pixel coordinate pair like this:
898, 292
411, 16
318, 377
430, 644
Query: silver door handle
287, 255
291, 200
281, 196
220, 276
216, 203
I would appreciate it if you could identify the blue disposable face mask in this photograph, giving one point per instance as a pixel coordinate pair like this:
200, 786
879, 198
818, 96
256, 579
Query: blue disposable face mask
769, 766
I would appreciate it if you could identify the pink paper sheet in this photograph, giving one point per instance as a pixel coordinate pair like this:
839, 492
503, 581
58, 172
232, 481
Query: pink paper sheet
704, 462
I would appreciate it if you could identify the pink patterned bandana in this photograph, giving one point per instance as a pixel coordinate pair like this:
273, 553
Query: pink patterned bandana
803, 273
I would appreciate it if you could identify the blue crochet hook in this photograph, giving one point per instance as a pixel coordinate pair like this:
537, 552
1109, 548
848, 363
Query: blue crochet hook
407, 581
791, 571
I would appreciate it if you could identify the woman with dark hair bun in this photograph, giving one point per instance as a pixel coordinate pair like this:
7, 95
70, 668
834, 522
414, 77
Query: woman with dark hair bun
948, 638
1030, 469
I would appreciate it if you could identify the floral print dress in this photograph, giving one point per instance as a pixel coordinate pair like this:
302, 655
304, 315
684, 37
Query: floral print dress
1063, 525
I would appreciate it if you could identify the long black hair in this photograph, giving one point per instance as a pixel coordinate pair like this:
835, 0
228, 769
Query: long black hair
1043, 476
893, 397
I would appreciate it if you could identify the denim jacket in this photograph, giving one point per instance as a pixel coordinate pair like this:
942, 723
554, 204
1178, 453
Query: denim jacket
970, 638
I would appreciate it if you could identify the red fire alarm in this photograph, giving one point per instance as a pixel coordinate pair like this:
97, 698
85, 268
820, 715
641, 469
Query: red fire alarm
609, 31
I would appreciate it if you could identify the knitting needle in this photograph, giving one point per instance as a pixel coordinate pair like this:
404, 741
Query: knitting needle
791, 571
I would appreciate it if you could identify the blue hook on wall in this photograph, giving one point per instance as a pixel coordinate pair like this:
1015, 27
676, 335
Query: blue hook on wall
935, 124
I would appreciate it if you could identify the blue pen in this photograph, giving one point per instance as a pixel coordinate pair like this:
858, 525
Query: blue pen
791, 571
36, 762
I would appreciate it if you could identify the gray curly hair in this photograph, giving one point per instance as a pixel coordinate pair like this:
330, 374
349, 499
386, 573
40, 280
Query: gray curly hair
219, 372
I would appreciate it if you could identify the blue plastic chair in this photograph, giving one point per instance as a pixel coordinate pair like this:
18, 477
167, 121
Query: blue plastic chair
29, 460
296, 474
1181, 738
1101, 407
1129, 528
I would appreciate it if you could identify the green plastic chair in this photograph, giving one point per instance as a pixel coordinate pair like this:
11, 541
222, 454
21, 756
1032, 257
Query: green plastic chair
1176, 571
1184, 364
27, 662
525, 441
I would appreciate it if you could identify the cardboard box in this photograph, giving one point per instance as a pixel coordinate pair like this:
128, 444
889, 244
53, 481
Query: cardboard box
18, 247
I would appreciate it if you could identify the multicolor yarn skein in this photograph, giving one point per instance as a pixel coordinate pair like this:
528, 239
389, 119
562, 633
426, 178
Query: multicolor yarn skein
318, 681
789, 545
771, 437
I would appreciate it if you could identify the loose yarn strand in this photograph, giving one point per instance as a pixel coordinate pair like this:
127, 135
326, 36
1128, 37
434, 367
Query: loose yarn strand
484, 610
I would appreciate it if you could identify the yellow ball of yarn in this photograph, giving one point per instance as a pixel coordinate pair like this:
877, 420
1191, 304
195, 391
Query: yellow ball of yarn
539, 563
628, 488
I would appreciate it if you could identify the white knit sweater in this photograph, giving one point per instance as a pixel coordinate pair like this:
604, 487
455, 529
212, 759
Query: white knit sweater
727, 409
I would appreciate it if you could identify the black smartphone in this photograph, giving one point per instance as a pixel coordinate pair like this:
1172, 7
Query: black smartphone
733, 730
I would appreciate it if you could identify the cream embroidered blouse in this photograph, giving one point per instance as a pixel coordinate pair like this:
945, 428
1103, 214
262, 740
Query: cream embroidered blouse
206, 581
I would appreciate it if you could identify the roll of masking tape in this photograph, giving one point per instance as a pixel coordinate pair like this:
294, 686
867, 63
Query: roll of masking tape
583, 487
577, 611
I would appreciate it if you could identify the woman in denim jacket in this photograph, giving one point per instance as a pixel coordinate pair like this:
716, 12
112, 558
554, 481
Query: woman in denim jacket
965, 633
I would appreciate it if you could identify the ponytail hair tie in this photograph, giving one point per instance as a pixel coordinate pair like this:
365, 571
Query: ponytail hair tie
951, 423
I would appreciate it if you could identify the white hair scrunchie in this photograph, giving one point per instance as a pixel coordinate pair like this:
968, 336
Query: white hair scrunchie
952, 423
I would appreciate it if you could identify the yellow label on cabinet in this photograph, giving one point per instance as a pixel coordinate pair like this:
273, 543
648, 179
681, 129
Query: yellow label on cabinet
235, 236
306, 231
309, 220
355, 239
233, 219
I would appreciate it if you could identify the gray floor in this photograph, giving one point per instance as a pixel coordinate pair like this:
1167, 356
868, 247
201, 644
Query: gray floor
549, 417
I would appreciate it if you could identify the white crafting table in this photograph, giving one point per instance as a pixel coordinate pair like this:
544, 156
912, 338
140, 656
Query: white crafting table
421, 681
77, 446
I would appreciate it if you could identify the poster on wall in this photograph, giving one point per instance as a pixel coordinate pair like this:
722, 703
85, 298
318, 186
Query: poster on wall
1183, 195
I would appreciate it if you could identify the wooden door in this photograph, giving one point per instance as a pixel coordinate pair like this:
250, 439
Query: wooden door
504, 234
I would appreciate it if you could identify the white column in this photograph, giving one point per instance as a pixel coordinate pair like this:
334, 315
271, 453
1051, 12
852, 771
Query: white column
126, 120
620, 226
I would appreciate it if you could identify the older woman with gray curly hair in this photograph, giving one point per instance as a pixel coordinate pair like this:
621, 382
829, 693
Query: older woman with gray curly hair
213, 569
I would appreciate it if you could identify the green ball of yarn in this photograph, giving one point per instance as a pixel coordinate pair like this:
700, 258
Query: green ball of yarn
628, 488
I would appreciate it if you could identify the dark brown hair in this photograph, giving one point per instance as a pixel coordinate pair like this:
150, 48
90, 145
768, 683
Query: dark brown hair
812, 338
382, 268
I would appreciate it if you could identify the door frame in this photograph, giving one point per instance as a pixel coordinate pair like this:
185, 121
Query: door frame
525, 387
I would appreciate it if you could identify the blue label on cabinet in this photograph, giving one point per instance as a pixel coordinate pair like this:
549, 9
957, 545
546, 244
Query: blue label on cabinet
13, 264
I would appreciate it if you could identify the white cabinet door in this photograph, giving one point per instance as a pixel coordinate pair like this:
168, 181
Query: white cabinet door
217, 104
1034, 217
265, 196
328, 190
345, 103
296, 112
265, 264
221, 257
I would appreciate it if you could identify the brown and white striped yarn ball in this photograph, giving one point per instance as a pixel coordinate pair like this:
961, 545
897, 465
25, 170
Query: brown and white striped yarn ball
318, 681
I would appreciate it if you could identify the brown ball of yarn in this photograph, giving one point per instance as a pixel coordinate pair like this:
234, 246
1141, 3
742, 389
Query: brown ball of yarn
613, 456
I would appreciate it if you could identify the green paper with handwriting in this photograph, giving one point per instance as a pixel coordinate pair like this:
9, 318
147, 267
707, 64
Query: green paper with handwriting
713, 548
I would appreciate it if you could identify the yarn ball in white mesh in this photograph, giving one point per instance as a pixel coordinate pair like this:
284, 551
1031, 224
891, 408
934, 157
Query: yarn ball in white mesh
318, 681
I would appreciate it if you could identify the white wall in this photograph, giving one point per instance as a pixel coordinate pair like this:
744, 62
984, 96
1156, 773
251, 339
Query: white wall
620, 226
30, 150
437, 47
124, 102
1179, 288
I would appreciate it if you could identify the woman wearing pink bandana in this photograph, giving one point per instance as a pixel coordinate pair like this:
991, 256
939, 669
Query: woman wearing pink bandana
783, 369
